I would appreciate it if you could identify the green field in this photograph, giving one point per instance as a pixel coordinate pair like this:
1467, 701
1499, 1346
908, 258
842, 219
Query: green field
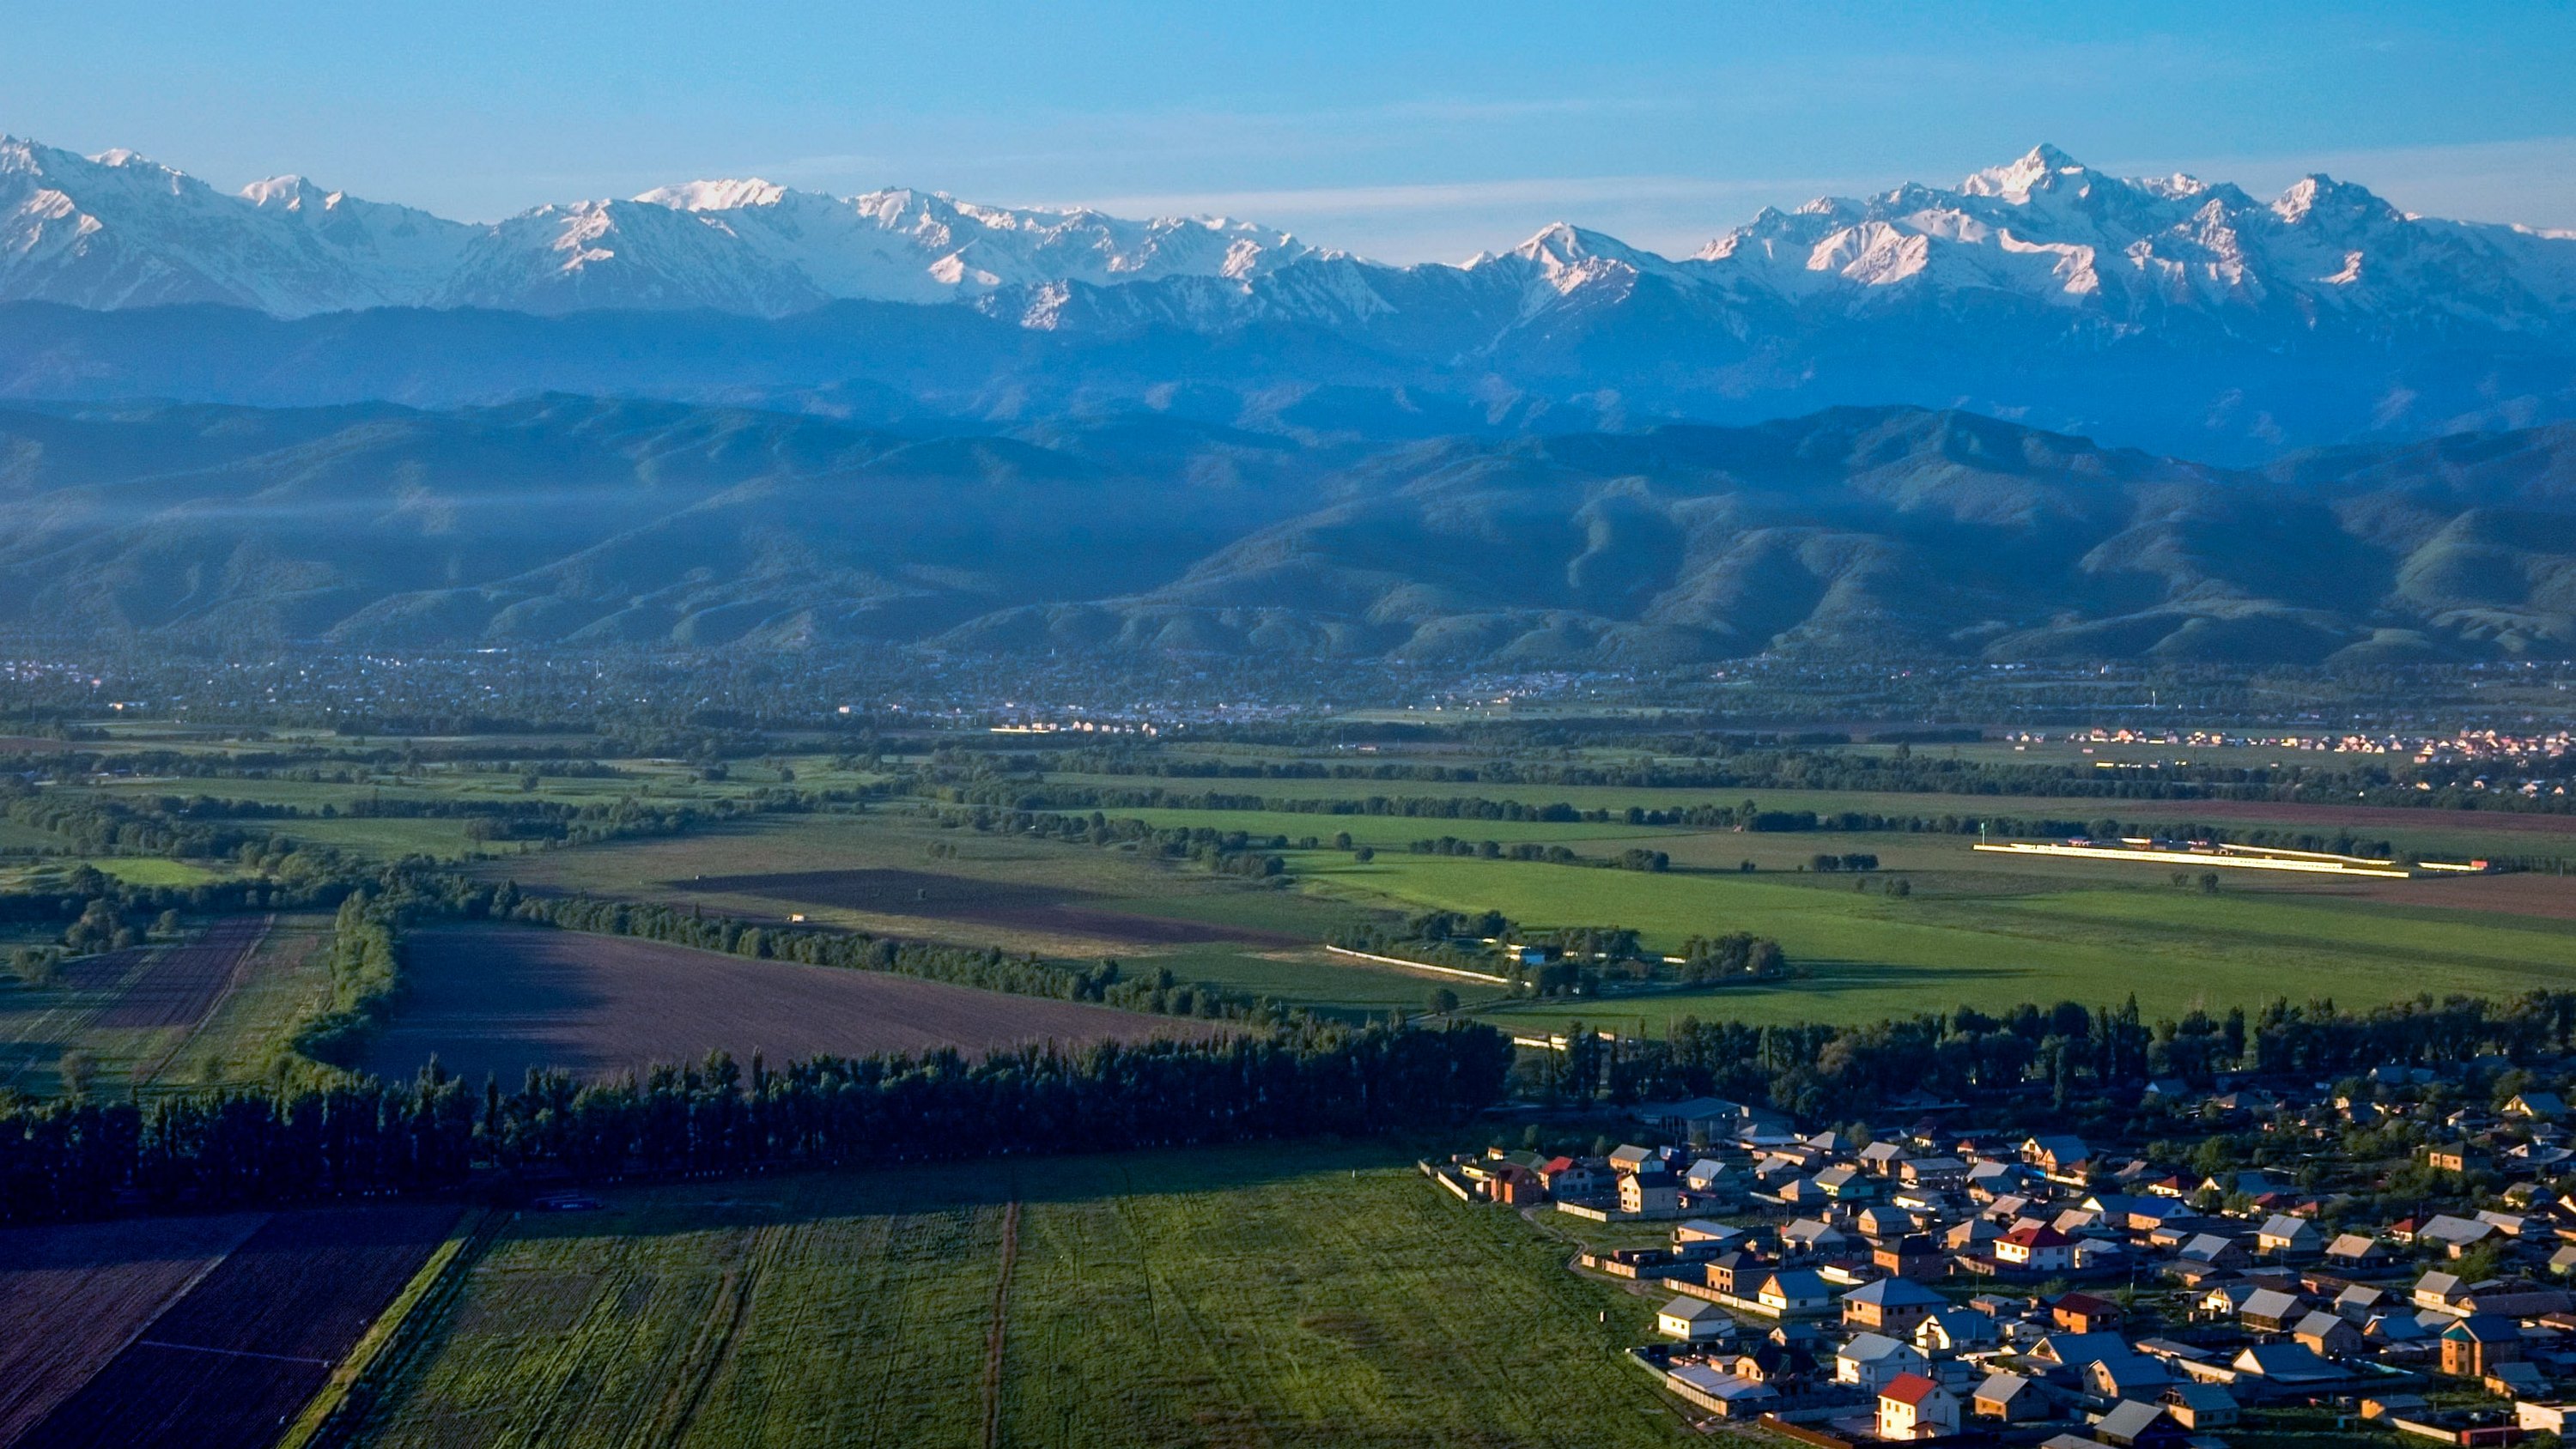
1866, 955
1270, 1295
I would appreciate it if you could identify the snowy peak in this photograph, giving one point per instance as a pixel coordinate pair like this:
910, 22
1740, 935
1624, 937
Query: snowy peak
2042, 168
715, 195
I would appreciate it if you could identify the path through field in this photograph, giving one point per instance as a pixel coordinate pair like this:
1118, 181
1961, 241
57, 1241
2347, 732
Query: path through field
998, 1334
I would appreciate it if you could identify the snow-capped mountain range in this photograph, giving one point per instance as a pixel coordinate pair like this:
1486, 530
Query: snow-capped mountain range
2172, 313
116, 230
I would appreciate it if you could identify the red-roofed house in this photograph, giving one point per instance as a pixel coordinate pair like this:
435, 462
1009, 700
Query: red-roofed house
1914, 1407
2040, 1249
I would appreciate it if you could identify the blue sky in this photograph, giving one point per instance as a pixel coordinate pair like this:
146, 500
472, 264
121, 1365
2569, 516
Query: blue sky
1404, 129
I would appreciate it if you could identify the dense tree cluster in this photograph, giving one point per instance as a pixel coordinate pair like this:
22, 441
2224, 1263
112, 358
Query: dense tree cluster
364, 1138
1825, 1072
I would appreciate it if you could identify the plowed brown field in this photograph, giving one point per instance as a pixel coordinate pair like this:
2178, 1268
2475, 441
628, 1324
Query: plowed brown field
501, 1000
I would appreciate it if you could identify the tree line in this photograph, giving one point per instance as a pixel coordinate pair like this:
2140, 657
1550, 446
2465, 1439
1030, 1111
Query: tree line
1819, 1071
363, 1138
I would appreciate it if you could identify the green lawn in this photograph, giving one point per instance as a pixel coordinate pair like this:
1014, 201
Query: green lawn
1868, 956
1288, 1295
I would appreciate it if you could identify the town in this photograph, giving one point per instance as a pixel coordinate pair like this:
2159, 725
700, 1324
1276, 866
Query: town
1852, 1285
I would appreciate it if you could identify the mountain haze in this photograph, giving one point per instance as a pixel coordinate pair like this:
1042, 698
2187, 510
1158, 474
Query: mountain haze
1875, 531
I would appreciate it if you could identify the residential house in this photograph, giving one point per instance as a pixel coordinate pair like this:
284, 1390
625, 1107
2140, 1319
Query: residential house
2211, 1250
2478, 1343
2038, 1250
1884, 1221
2061, 1158
2536, 1106
2455, 1235
2358, 1301
1891, 1306
1654, 1193
2134, 1425
1739, 1272
1932, 1172
1953, 1331
2285, 1368
1703, 1230
2270, 1310
1912, 1406
1846, 1184
1632, 1158
1570, 1179
2201, 1407
2289, 1239
2011, 1398
2357, 1250
2452, 1157
2118, 1376
1972, 1236
2076, 1352
1882, 1158
1723, 1394
2438, 1290
1816, 1237
1911, 1256
2331, 1335
1692, 1320
1794, 1293
2519, 1379
2085, 1313
2513, 1297
1872, 1360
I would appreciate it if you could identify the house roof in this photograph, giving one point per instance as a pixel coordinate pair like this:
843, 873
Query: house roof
2042, 1236
2061, 1147
2128, 1419
2084, 1303
2282, 1225
2318, 1324
1692, 1310
2076, 1350
2289, 1362
2270, 1303
1798, 1283
1871, 1347
2000, 1387
2352, 1245
1893, 1293
2484, 1328
1725, 1386
1909, 1389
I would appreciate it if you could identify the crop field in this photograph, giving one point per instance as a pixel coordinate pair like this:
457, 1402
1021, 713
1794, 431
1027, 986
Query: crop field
242, 1349
71, 1296
1282, 1295
877, 871
2433, 831
179, 985
1012, 906
501, 1000
1093, 903
215, 1003
1866, 955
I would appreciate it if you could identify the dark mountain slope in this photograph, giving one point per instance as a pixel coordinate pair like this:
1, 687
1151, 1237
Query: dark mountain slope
1881, 531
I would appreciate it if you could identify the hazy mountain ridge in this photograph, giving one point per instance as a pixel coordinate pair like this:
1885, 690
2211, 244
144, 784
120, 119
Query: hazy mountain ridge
1885, 531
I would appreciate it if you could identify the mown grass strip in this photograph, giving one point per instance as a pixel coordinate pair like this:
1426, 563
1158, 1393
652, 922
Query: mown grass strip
324, 1421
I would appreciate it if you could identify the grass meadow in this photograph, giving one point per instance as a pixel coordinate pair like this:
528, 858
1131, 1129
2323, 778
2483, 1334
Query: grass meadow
1297, 1294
